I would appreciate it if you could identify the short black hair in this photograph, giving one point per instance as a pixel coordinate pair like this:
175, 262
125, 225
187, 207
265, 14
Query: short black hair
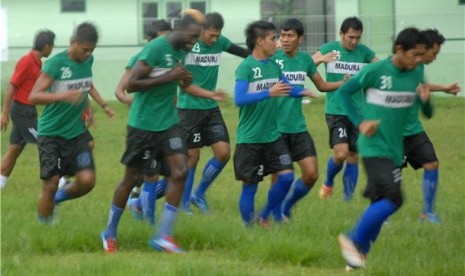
157, 26
351, 22
214, 20
295, 25
433, 36
409, 38
85, 32
43, 38
257, 29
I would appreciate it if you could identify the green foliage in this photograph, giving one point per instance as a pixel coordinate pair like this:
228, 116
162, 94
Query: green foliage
218, 244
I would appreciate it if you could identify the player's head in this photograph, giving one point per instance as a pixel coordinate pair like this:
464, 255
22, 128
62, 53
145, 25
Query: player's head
188, 28
409, 48
157, 28
351, 32
261, 34
44, 42
434, 41
292, 35
83, 41
212, 29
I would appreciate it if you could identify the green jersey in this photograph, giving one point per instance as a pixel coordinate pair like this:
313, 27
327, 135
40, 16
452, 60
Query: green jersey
258, 121
203, 62
390, 95
154, 109
346, 63
295, 69
62, 119
414, 125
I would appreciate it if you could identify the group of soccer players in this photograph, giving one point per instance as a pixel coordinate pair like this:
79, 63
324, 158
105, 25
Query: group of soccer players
380, 100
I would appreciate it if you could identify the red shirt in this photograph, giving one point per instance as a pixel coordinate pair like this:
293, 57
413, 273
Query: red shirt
27, 71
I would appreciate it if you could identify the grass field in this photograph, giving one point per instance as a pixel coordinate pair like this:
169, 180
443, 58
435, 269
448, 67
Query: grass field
218, 244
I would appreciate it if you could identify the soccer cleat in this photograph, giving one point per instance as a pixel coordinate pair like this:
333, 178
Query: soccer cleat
200, 203
263, 223
325, 192
430, 217
286, 219
350, 253
135, 211
110, 244
165, 244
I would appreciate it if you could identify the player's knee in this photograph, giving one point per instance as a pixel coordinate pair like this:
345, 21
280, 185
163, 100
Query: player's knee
340, 156
193, 160
309, 179
223, 157
431, 166
179, 175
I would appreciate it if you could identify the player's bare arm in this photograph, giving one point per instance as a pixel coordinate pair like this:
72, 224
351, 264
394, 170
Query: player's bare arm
40, 96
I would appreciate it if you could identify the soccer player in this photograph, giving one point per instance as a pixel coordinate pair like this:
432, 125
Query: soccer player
23, 112
350, 57
419, 151
63, 87
296, 66
391, 87
153, 132
156, 29
199, 114
260, 149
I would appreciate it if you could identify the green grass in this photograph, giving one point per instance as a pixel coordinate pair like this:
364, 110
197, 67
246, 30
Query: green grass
217, 243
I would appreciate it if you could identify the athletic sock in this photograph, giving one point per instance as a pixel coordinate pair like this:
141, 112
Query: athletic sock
247, 203
349, 180
147, 200
61, 196
188, 188
277, 193
113, 221
3, 180
168, 216
210, 172
331, 170
430, 183
298, 191
161, 188
369, 226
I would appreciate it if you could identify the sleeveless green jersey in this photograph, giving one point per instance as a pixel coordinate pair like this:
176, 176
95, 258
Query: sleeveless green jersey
346, 63
414, 125
390, 95
258, 121
295, 69
62, 119
154, 109
203, 62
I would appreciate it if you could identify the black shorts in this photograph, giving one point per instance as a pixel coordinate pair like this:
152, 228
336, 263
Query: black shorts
146, 150
88, 136
203, 127
384, 179
419, 150
254, 161
341, 131
24, 121
300, 145
59, 156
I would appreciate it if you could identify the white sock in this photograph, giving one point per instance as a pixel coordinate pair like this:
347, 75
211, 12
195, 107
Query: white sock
3, 180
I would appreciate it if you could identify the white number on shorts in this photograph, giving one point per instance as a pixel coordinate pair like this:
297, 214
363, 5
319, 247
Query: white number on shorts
342, 132
197, 137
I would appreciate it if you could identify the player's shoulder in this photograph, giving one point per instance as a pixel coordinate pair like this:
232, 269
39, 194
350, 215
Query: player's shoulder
329, 46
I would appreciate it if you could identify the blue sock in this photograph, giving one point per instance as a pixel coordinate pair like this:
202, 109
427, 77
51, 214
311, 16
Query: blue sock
331, 170
161, 188
147, 200
61, 196
247, 203
430, 183
168, 216
210, 172
298, 191
277, 193
113, 221
349, 180
369, 226
188, 188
